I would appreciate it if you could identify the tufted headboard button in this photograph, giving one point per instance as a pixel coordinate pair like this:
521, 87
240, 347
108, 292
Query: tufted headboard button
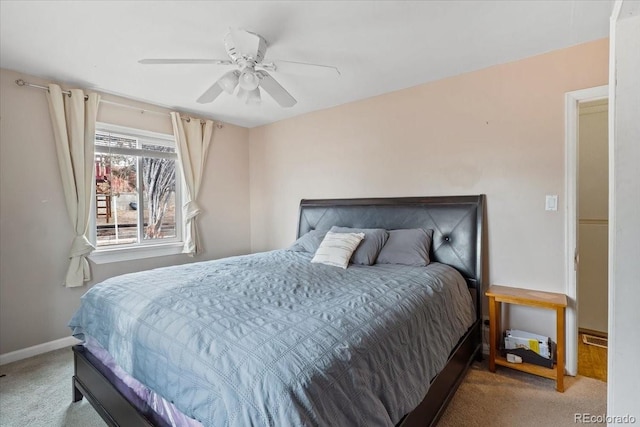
447, 238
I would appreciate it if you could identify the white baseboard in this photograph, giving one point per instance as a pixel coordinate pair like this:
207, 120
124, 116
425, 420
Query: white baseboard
37, 349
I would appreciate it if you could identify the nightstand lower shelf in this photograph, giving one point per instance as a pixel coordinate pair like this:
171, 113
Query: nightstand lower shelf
529, 368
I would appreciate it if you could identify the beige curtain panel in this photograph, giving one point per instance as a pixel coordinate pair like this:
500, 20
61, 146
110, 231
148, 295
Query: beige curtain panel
192, 144
74, 126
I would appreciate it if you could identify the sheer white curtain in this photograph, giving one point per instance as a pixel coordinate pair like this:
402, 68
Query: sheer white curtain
192, 143
74, 125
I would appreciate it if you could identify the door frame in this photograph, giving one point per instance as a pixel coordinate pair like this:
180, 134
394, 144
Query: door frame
572, 99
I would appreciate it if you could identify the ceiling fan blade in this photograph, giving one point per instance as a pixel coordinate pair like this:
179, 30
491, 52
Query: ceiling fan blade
277, 92
210, 94
185, 61
303, 68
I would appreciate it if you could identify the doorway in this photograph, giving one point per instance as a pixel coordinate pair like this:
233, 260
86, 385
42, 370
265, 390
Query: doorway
594, 99
592, 238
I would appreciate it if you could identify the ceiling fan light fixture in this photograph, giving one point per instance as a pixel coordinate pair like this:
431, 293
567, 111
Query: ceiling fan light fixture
229, 81
250, 97
249, 79
253, 97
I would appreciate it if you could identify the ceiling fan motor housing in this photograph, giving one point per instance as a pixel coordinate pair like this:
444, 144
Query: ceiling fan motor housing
245, 47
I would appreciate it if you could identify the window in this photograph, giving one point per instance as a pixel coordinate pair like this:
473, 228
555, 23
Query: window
137, 203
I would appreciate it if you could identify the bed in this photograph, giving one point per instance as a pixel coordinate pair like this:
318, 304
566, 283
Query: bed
345, 344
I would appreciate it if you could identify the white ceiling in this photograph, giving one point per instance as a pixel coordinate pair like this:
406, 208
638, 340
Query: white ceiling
378, 46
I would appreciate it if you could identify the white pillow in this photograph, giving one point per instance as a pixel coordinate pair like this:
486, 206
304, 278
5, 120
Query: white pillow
336, 248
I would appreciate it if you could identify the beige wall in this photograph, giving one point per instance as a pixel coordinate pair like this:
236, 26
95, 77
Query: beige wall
593, 229
498, 131
36, 232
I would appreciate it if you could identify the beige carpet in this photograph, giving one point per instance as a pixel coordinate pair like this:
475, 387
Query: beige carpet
514, 398
36, 392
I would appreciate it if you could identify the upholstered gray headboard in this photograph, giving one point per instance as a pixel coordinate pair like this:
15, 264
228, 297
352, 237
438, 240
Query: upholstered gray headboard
456, 222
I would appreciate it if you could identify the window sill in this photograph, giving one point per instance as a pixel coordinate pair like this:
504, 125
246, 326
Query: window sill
105, 256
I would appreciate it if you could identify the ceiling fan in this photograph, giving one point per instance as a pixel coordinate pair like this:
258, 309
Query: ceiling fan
246, 51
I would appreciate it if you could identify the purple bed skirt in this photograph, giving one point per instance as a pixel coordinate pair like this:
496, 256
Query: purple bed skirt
166, 410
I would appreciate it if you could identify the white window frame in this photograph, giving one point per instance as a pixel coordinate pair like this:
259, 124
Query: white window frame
148, 248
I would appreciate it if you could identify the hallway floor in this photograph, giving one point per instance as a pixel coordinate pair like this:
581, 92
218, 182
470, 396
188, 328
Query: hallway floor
592, 360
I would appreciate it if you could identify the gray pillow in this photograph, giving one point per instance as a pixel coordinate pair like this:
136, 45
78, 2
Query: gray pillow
407, 247
308, 242
374, 240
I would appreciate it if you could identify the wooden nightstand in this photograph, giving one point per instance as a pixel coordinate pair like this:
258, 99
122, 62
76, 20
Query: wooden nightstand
504, 294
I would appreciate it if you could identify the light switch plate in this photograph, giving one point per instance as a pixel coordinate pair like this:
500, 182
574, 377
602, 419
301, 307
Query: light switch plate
551, 202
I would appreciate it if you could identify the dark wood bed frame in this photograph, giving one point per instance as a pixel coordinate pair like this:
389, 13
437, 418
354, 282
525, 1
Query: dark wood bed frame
457, 222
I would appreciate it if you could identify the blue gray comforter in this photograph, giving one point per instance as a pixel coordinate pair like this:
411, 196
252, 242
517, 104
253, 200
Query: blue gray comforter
273, 340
